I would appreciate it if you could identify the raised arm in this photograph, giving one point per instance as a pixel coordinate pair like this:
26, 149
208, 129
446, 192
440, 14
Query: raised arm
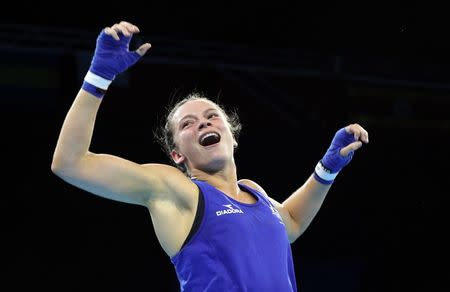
102, 174
300, 208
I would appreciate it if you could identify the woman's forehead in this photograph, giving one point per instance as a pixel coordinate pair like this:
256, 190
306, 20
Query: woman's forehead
194, 107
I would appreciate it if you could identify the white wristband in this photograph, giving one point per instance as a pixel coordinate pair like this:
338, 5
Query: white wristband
324, 173
97, 81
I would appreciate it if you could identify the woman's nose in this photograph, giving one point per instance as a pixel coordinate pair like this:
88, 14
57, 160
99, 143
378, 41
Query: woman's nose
204, 124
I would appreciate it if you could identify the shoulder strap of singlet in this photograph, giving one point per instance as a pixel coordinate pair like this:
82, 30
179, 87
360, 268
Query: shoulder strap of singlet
255, 192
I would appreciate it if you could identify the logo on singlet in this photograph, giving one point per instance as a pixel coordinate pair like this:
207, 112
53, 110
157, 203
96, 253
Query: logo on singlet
277, 214
230, 210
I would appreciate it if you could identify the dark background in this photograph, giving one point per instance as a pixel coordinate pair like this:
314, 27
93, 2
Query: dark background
295, 74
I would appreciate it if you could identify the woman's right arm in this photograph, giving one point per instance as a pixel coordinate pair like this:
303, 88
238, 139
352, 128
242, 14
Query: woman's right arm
101, 174
106, 175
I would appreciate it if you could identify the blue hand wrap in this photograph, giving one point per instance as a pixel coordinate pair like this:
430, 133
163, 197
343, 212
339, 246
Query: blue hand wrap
332, 162
111, 58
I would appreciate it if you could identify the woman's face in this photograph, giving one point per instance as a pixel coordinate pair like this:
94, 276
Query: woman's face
202, 136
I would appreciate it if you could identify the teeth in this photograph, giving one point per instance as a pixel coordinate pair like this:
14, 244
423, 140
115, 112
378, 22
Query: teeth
209, 135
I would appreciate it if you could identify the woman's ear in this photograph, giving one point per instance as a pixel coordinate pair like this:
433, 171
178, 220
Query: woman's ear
177, 157
235, 144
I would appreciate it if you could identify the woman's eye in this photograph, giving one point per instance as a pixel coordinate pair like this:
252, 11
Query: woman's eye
185, 124
213, 115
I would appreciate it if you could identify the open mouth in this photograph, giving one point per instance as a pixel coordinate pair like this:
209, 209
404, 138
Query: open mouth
209, 138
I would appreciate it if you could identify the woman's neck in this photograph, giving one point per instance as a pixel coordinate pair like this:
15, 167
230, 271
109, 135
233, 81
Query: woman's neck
224, 180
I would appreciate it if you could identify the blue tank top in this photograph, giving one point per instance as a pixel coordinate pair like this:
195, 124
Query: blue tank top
237, 247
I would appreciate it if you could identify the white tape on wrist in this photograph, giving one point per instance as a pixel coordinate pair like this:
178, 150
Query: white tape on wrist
97, 81
324, 173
